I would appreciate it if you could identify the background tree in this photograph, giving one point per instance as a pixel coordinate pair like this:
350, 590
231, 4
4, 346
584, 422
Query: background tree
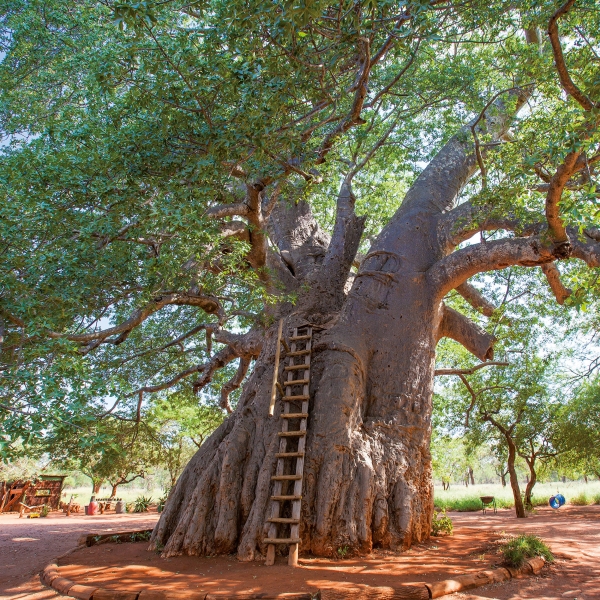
578, 431
112, 450
180, 177
180, 426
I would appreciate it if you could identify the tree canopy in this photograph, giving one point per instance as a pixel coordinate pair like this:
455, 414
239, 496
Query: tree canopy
147, 145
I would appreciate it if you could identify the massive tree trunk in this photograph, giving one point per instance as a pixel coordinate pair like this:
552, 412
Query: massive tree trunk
368, 480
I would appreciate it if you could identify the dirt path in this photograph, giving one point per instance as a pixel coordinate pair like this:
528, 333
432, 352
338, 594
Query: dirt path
28, 545
573, 534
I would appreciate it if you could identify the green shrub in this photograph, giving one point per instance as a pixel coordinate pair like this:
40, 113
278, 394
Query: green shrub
45, 510
441, 523
580, 499
141, 504
518, 549
596, 499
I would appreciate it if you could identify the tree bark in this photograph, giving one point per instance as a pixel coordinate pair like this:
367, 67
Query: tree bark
113, 493
532, 480
514, 480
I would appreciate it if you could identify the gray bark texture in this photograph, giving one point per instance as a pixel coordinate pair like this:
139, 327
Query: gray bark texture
367, 478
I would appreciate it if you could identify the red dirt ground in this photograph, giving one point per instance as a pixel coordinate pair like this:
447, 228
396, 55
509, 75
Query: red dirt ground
572, 532
28, 545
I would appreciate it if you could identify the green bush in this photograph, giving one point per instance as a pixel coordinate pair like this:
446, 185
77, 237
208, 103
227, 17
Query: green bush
518, 549
141, 504
441, 523
596, 499
45, 510
580, 499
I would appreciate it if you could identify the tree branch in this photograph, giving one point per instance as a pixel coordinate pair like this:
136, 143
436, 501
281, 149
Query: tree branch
472, 370
360, 93
234, 383
347, 232
465, 332
449, 272
209, 304
553, 276
559, 59
474, 297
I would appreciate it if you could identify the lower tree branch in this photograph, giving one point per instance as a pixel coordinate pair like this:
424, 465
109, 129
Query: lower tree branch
234, 383
476, 299
465, 332
552, 274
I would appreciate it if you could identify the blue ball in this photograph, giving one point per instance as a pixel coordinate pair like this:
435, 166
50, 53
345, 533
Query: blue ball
554, 502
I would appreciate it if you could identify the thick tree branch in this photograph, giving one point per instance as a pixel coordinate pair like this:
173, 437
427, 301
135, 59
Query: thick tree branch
553, 276
344, 243
565, 171
476, 299
465, 332
234, 383
468, 219
559, 60
456, 268
207, 303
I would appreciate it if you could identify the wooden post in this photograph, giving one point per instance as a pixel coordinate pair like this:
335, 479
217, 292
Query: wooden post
270, 555
276, 369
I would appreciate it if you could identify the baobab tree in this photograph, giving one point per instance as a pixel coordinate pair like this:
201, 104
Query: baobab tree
188, 176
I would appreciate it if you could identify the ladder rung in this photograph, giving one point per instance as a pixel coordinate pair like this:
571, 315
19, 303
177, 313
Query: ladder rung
291, 433
294, 415
281, 540
284, 498
291, 398
296, 382
295, 338
283, 520
285, 477
299, 352
296, 367
289, 454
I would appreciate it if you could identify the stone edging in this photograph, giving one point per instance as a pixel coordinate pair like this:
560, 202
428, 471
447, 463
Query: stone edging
51, 577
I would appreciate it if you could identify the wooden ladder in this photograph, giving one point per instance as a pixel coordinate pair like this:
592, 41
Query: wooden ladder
287, 481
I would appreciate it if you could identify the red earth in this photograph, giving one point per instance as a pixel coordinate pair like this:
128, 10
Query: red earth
573, 534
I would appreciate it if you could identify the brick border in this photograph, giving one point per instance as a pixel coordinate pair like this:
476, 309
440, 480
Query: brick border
52, 578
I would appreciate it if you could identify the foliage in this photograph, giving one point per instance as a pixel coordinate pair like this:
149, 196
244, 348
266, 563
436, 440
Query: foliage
127, 123
45, 510
578, 430
518, 549
441, 524
141, 504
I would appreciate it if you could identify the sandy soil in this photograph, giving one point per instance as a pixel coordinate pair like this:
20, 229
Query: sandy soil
28, 545
572, 532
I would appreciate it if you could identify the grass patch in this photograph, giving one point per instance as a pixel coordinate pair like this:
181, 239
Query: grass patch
580, 499
518, 549
466, 499
441, 523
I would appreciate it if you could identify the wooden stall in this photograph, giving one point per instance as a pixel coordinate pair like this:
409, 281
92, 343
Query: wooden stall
44, 490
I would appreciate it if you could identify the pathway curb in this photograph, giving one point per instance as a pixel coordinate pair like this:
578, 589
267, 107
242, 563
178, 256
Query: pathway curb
52, 578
